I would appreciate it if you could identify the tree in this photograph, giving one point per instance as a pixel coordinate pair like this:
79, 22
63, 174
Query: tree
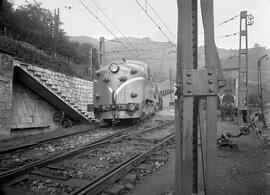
31, 23
254, 100
256, 45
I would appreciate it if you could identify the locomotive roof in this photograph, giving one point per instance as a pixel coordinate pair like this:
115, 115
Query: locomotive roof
126, 62
132, 62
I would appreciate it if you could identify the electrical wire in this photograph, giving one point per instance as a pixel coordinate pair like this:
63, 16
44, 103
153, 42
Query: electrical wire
224, 22
228, 35
106, 28
145, 11
224, 36
115, 26
160, 19
150, 49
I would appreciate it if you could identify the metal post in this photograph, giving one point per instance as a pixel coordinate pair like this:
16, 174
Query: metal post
184, 120
259, 67
243, 99
101, 51
192, 84
260, 88
56, 28
196, 99
5, 31
54, 33
170, 85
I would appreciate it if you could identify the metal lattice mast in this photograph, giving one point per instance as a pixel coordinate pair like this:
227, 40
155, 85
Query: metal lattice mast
243, 67
243, 99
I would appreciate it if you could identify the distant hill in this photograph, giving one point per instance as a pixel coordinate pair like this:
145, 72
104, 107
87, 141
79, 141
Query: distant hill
84, 39
161, 56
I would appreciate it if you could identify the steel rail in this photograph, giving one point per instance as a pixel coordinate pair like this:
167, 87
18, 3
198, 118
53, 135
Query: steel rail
102, 182
144, 131
8, 175
12, 149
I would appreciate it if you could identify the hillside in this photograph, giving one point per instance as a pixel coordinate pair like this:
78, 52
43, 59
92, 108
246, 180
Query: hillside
161, 56
35, 35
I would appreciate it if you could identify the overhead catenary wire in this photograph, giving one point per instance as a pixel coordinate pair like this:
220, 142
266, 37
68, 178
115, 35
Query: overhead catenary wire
115, 26
145, 11
224, 36
147, 3
228, 35
106, 28
224, 22
149, 49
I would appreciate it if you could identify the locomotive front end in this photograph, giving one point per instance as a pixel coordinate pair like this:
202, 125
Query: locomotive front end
119, 91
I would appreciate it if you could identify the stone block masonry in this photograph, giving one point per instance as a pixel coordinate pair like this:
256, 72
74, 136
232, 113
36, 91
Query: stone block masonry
6, 76
29, 96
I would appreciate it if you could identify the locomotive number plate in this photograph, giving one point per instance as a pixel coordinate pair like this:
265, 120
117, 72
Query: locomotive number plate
122, 106
114, 107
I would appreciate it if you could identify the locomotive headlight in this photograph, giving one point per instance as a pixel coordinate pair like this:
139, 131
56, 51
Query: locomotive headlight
114, 68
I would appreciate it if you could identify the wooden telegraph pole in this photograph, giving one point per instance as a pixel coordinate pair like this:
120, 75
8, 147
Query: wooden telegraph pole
91, 70
101, 52
170, 85
56, 28
193, 85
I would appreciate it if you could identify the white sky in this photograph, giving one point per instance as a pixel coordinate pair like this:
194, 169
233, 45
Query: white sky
132, 21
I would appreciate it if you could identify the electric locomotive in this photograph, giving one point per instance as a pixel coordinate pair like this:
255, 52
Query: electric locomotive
124, 90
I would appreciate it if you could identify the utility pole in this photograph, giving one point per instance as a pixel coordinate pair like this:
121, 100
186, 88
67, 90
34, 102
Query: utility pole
5, 31
56, 28
170, 85
260, 87
101, 51
90, 70
243, 99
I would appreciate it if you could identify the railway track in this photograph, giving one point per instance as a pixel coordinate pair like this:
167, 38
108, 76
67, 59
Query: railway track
74, 172
38, 142
20, 156
14, 157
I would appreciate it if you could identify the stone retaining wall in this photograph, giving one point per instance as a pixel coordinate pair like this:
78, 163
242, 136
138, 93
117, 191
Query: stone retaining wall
29, 109
6, 76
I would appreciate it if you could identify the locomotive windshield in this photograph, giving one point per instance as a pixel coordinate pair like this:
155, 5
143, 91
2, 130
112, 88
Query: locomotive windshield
137, 66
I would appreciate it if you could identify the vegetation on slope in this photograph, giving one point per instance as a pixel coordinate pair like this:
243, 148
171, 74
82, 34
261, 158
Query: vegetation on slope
29, 32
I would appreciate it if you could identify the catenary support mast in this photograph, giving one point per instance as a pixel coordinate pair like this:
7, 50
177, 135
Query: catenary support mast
193, 85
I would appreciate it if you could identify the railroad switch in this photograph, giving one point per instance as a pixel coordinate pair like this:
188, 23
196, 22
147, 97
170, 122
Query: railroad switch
225, 141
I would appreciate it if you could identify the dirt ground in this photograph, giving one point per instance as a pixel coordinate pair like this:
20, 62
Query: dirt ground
246, 171
242, 172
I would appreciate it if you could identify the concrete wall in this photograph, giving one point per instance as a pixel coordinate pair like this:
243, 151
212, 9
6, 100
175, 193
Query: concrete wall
30, 110
6, 74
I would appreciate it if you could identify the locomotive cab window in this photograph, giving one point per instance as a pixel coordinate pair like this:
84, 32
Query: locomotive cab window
137, 66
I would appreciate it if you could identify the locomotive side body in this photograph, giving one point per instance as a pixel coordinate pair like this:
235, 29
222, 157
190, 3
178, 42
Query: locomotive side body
124, 90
